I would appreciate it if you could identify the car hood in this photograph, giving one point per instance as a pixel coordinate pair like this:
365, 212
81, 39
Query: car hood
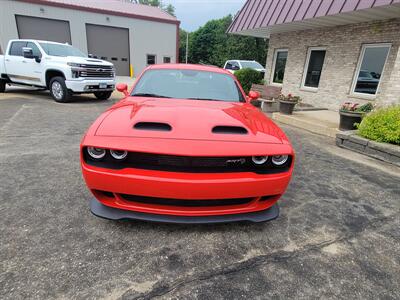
189, 119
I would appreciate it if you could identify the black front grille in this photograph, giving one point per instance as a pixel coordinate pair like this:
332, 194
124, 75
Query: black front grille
186, 202
188, 164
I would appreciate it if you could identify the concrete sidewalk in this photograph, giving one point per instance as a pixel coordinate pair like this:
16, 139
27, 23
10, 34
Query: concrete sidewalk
322, 122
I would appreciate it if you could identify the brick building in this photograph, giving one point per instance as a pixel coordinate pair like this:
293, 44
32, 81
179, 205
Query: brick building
329, 51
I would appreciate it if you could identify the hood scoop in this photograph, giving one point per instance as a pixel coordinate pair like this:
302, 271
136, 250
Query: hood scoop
152, 126
229, 130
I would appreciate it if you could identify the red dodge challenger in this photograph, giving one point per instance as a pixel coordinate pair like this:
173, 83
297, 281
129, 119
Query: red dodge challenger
186, 146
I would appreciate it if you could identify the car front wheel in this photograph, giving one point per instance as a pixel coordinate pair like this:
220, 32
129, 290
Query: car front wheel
2, 86
103, 95
59, 90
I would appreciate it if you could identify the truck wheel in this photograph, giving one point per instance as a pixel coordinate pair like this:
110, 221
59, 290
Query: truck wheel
103, 95
59, 91
2, 86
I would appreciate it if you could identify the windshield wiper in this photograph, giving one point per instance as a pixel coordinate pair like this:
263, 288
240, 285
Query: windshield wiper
150, 95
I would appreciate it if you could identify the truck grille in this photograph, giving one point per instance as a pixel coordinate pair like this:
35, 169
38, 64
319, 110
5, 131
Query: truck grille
96, 71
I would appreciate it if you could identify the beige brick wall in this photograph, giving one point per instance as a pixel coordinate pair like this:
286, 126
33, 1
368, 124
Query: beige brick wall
343, 46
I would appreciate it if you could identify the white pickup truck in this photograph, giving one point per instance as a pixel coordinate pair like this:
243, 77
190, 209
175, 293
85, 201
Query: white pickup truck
57, 67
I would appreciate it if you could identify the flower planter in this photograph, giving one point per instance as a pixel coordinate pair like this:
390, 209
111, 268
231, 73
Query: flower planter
348, 118
286, 107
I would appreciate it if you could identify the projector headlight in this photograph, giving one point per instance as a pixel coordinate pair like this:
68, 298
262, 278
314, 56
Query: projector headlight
279, 160
119, 154
96, 153
259, 160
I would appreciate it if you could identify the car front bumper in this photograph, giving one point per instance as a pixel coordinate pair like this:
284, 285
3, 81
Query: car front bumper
255, 193
90, 85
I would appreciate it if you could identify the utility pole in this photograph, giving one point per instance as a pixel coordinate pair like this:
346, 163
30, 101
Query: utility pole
187, 46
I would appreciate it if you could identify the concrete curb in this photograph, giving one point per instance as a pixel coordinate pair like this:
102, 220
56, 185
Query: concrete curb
382, 151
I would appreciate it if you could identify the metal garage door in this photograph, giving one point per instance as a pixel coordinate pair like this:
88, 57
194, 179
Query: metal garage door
43, 29
111, 44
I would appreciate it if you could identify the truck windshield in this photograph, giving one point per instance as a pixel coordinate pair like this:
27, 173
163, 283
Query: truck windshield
61, 50
188, 84
251, 65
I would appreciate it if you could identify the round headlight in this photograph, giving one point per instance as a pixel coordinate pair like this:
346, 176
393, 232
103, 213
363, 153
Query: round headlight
96, 153
279, 160
119, 154
259, 160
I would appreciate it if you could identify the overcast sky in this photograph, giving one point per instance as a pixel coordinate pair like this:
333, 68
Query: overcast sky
195, 13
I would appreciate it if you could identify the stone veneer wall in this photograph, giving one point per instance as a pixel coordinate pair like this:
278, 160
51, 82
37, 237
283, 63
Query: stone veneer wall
343, 47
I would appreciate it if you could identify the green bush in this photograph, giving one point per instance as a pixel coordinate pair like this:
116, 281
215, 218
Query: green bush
247, 77
382, 125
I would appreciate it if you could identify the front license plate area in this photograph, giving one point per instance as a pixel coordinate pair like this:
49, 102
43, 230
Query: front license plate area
103, 85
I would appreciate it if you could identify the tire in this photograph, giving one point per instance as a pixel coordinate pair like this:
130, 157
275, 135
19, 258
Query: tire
103, 95
59, 91
2, 86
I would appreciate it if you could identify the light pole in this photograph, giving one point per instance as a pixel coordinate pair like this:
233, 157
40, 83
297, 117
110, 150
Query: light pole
187, 46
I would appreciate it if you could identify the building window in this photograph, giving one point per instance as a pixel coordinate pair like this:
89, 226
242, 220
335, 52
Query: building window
167, 59
313, 67
279, 65
151, 59
370, 68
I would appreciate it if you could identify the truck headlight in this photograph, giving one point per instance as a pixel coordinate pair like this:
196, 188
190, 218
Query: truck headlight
73, 64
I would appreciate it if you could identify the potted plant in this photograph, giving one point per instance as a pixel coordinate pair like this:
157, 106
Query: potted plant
287, 103
352, 113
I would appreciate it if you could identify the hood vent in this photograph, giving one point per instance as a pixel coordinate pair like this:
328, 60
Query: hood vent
152, 126
229, 130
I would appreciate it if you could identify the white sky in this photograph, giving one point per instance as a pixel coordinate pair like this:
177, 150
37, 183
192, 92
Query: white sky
195, 13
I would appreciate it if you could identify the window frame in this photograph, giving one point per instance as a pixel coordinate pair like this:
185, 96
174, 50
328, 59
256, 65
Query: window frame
276, 51
147, 59
358, 69
305, 70
166, 56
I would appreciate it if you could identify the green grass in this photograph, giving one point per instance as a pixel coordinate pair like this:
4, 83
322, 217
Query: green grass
382, 125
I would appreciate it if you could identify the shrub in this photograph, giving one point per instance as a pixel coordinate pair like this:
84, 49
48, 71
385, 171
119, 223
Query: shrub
382, 125
247, 77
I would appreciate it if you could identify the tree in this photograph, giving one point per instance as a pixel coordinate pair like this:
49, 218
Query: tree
157, 3
210, 44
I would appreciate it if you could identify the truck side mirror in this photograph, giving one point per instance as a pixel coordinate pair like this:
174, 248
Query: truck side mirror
27, 52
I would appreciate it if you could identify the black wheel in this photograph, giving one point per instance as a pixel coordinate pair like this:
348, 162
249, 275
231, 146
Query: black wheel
2, 86
103, 95
59, 91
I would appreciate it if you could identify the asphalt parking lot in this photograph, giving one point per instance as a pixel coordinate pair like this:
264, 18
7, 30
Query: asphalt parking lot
337, 236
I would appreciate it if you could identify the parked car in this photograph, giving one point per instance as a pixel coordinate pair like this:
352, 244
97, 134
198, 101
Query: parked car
185, 145
234, 65
60, 68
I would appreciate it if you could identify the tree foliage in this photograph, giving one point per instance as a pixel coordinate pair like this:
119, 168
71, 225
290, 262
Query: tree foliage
210, 44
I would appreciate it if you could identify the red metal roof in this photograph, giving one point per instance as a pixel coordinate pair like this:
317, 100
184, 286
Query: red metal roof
112, 7
265, 13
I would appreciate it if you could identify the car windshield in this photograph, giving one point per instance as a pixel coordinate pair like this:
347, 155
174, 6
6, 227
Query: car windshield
188, 84
61, 50
251, 64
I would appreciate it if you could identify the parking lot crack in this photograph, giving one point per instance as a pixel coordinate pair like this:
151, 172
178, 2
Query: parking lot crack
163, 288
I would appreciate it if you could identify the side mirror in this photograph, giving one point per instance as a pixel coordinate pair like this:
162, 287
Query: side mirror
27, 52
90, 55
254, 95
123, 88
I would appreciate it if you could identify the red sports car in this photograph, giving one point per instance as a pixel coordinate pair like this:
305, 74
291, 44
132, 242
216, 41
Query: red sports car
185, 145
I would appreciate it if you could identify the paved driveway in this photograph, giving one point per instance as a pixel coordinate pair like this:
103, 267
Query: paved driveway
337, 236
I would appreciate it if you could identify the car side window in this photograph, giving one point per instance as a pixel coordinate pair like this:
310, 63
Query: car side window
35, 50
16, 48
235, 66
228, 65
